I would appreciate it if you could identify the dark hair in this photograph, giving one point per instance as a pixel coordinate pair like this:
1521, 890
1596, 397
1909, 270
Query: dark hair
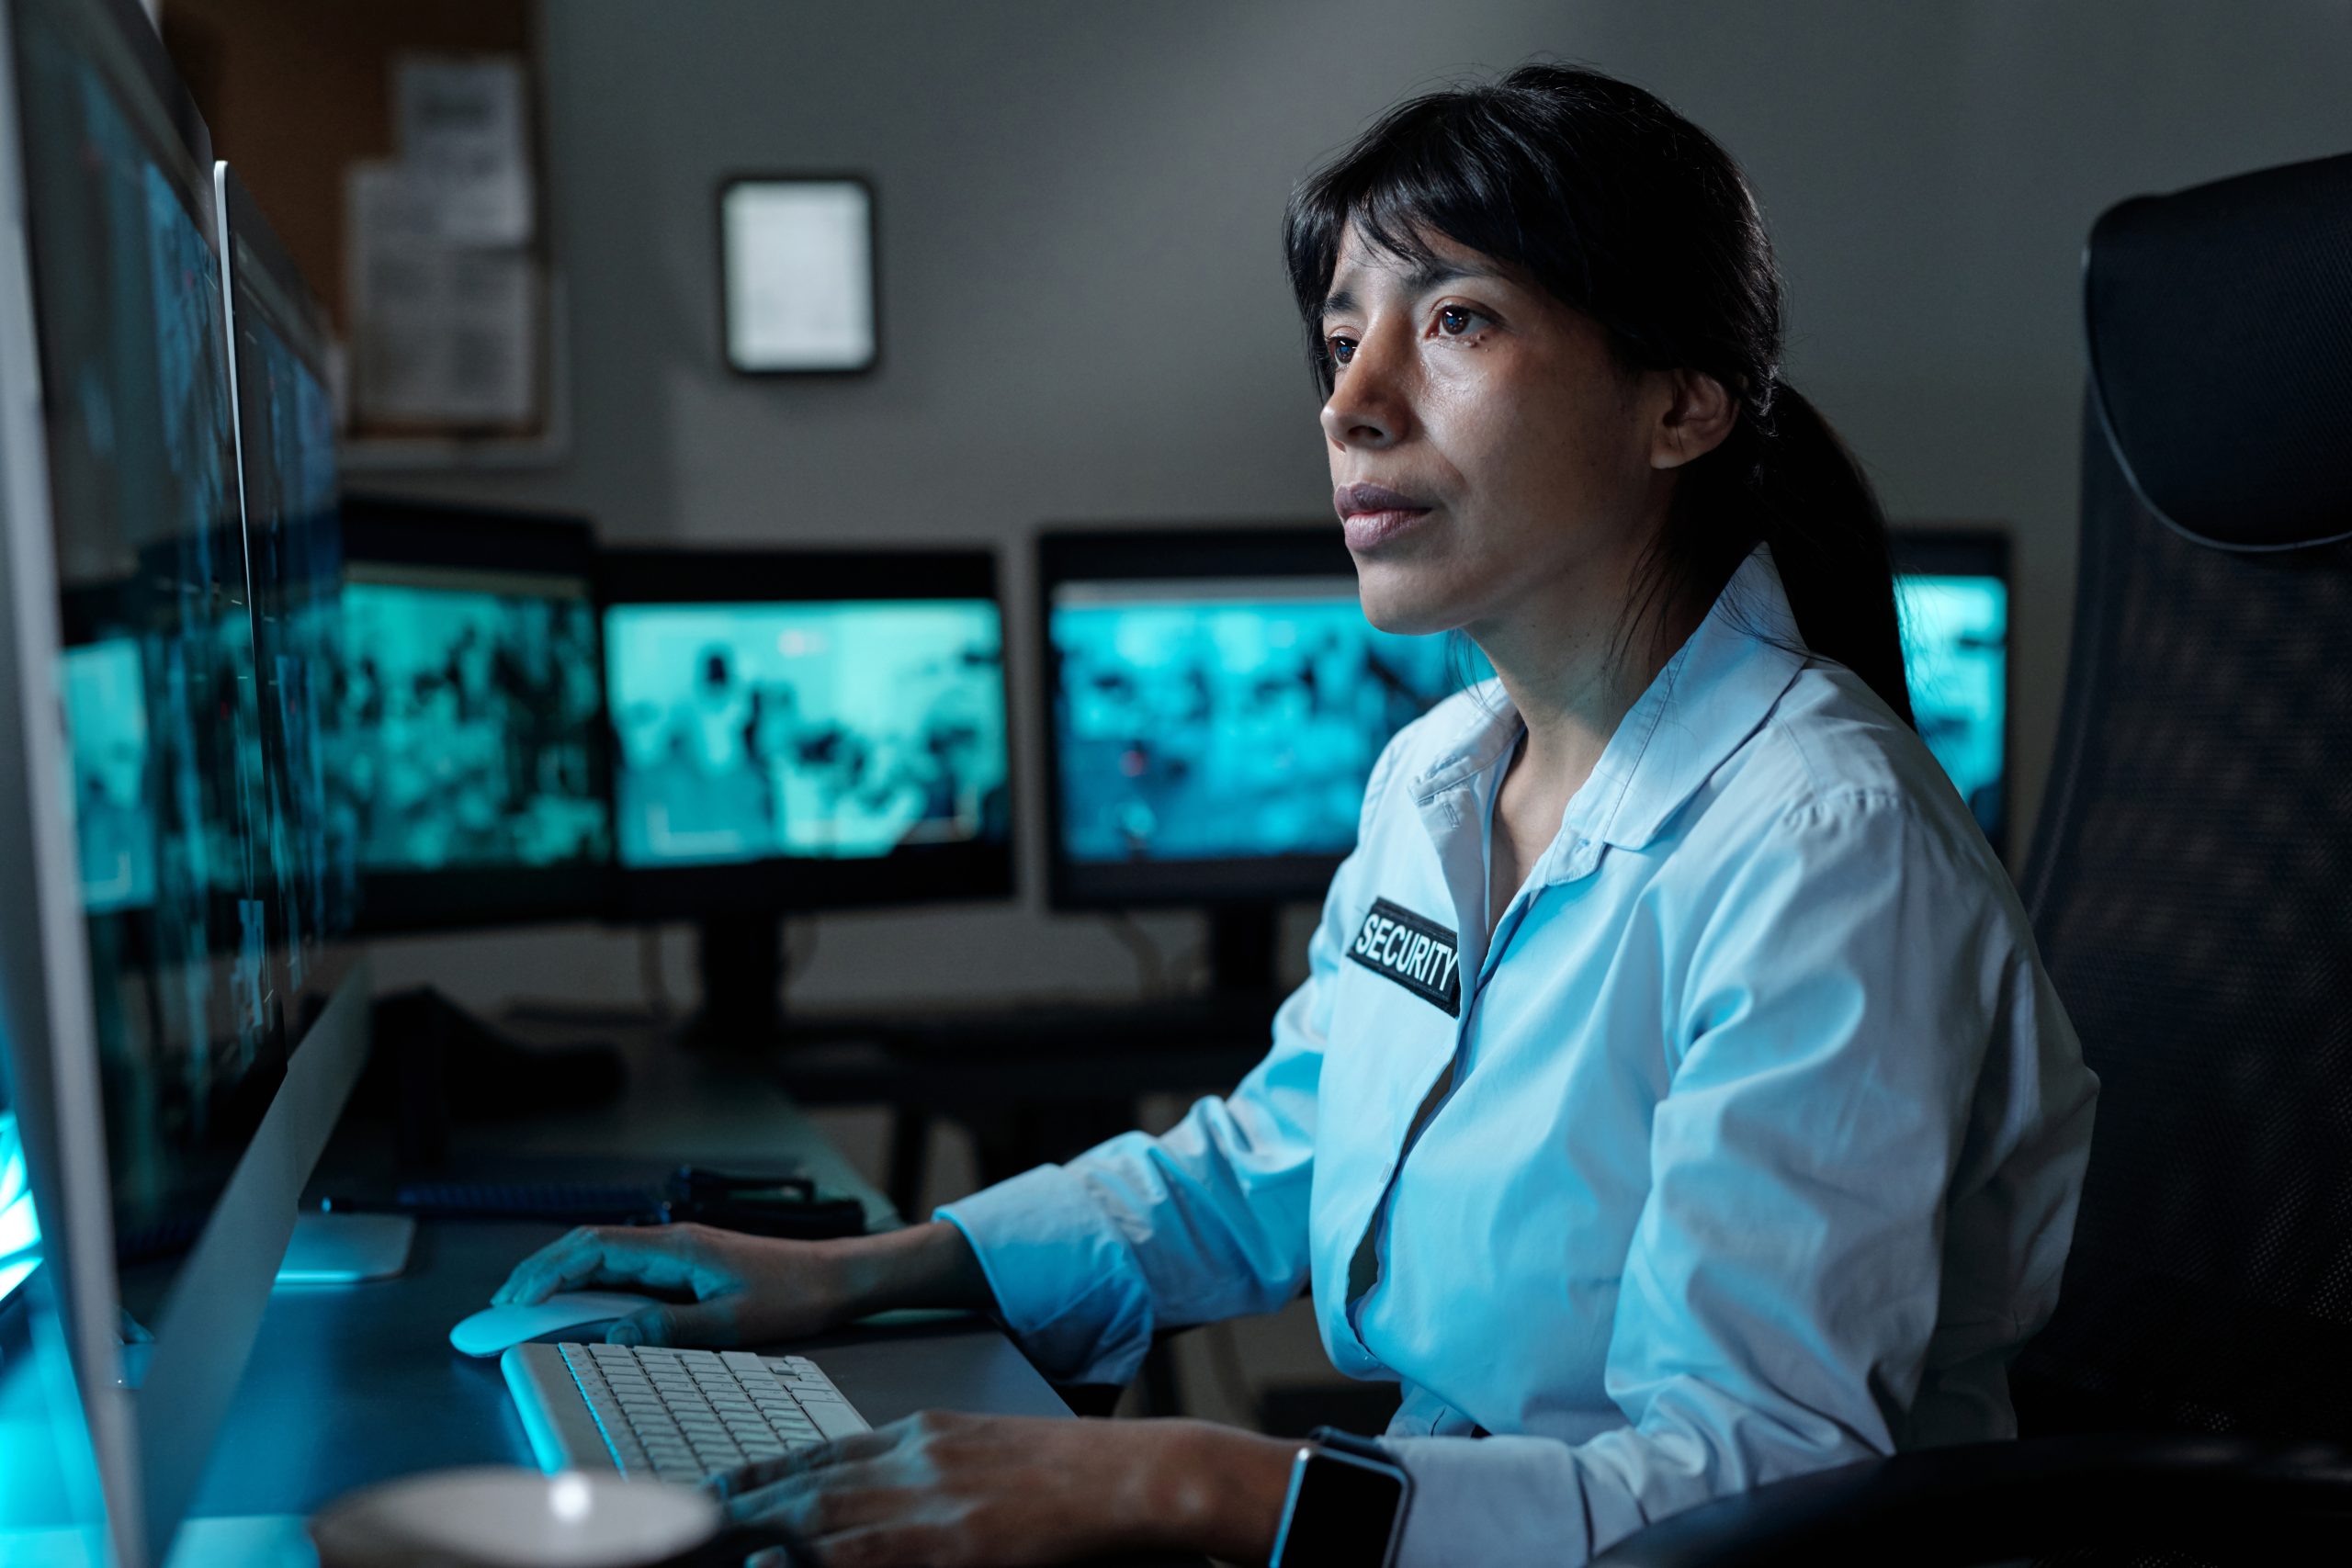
1627, 212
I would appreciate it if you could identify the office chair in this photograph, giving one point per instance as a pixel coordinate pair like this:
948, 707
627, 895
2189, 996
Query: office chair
2192, 889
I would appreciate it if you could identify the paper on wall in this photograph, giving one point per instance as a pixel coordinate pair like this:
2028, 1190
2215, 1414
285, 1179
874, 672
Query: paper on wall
446, 334
463, 135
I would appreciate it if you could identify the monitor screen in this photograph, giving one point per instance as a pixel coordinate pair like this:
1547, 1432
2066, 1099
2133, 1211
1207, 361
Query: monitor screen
797, 730
1955, 655
463, 721
19, 1230
1225, 719
1215, 701
106, 708
161, 705
840, 731
465, 709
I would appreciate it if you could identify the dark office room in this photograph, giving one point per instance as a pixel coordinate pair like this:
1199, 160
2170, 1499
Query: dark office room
1301, 783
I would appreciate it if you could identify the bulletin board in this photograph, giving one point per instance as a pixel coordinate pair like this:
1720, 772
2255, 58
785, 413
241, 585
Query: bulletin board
301, 94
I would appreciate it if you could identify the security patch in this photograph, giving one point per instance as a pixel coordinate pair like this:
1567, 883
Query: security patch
1419, 954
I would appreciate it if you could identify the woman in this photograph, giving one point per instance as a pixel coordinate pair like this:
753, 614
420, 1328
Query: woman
1676, 1094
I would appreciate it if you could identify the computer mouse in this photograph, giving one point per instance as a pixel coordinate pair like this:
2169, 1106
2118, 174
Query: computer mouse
492, 1329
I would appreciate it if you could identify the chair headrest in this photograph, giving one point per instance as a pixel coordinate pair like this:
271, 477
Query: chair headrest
2220, 328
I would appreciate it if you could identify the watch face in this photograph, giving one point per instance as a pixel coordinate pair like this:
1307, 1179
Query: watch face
1344, 1514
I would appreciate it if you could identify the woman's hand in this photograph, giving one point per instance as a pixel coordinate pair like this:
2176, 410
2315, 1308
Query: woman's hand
733, 1289
945, 1491
749, 1289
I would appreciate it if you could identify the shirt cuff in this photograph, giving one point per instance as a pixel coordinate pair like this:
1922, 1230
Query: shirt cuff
1066, 1282
1511, 1499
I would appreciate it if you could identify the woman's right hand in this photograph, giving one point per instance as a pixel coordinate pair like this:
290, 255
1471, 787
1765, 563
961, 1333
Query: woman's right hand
731, 1289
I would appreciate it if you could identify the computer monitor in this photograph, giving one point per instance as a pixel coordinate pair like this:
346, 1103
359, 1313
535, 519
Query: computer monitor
465, 739
1215, 701
1953, 589
797, 731
169, 1097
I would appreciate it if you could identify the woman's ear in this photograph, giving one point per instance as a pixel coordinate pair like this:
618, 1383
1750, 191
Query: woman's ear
1698, 414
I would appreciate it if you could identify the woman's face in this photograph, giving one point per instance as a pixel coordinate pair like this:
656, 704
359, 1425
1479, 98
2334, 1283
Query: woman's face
1487, 450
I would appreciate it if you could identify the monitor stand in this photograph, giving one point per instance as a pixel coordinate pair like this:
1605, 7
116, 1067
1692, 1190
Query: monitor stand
740, 961
345, 1249
1242, 948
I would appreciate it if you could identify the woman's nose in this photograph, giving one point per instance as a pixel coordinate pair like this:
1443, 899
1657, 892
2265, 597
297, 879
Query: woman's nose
1369, 406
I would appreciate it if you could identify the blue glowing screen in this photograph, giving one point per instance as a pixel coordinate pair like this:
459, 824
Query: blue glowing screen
19, 1232
106, 710
158, 682
835, 730
1955, 653
1228, 719
461, 719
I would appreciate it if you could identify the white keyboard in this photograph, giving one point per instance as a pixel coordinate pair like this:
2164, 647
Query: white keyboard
677, 1416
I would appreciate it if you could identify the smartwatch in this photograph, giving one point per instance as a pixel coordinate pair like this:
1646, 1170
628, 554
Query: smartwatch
1345, 1506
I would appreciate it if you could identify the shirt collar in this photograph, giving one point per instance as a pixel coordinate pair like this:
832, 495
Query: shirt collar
1713, 695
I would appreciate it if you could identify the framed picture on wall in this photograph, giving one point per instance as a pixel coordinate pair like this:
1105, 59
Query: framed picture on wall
796, 275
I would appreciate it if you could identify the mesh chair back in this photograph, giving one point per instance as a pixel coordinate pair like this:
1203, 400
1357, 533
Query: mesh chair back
2191, 883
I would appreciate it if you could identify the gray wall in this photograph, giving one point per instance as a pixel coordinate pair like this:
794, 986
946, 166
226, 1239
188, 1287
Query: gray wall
1084, 315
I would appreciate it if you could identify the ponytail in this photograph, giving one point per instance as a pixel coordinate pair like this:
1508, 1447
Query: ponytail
1786, 479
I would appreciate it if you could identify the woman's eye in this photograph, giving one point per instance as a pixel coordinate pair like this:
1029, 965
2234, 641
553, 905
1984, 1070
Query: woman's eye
1455, 321
1342, 349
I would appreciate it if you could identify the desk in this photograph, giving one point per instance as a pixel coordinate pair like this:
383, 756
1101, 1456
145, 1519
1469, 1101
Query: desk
353, 1385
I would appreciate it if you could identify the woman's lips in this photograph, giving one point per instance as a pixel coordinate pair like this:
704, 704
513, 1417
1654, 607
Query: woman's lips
1373, 514
1370, 530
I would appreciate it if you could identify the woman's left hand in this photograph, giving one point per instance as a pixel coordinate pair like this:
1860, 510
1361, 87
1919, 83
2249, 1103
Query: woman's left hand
947, 1491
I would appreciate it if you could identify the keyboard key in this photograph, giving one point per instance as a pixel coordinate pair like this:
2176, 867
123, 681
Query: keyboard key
834, 1418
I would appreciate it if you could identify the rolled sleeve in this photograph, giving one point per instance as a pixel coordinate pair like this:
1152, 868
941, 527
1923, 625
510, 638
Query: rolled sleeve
1065, 1280
1207, 1221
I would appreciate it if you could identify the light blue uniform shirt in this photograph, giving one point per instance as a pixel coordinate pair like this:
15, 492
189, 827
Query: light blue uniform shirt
1751, 1147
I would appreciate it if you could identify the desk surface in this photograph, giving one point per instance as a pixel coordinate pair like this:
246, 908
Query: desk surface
352, 1384
347, 1385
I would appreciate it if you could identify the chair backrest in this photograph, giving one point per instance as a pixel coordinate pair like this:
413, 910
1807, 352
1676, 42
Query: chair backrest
2192, 880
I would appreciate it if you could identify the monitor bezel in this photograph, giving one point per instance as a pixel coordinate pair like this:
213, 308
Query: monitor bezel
780, 885
388, 531
1974, 550
1143, 553
282, 293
